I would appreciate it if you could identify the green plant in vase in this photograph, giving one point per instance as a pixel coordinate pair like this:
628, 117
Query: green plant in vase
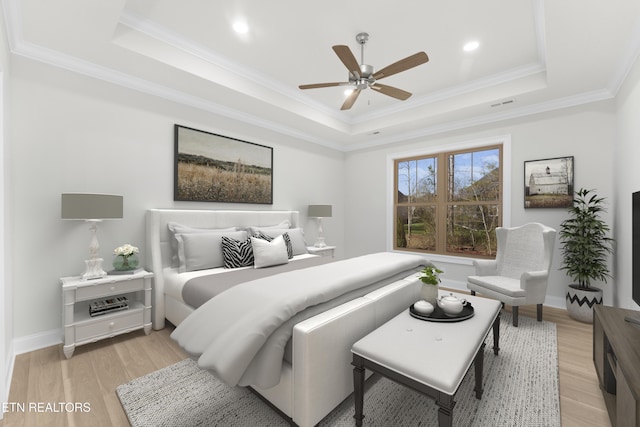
585, 249
430, 277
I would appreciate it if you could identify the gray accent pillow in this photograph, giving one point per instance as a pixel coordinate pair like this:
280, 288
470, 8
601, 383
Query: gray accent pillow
201, 251
176, 228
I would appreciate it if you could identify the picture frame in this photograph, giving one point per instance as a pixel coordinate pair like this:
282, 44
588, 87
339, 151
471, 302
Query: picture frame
214, 168
548, 183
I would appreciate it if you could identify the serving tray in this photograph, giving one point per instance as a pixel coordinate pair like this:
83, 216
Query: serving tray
438, 315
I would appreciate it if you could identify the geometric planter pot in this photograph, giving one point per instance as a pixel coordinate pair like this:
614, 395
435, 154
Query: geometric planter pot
580, 302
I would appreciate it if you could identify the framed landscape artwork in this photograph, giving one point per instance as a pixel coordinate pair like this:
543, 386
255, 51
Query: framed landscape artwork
548, 183
216, 168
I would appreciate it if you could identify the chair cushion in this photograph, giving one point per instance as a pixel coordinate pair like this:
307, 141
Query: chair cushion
504, 285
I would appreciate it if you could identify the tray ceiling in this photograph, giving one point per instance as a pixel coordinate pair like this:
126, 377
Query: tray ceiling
533, 56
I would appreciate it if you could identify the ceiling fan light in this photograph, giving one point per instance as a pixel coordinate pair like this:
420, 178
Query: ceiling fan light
348, 91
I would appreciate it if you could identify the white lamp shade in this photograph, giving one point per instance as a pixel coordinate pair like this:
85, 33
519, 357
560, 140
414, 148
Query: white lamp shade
91, 206
319, 211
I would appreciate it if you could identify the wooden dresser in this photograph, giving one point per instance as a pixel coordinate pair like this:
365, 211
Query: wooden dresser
616, 355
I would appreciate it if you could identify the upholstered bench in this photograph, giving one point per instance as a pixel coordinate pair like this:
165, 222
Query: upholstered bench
430, 357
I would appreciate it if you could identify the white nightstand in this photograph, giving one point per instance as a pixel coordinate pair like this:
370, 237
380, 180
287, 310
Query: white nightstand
77, 295
325, 251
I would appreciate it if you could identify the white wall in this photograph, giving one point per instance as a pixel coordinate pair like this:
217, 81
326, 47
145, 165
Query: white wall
586, 132
6, 299
72, 133
627, 178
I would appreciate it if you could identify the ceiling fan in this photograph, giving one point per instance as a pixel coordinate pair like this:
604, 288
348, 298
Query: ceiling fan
362, 76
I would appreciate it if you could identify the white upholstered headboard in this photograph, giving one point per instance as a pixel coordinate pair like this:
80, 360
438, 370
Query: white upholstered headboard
158, 250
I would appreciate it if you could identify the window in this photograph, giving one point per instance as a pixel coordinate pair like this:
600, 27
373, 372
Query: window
449, 203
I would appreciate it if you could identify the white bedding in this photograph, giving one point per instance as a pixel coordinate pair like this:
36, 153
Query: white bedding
248, 326
174, 281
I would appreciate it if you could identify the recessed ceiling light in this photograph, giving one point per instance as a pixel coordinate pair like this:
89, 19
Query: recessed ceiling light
471, 46
240, 27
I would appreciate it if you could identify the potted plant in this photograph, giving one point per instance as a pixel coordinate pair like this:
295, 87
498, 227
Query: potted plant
585, 249
430, 277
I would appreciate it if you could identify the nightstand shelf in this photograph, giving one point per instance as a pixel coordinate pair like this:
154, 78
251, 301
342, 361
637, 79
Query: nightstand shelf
77, 294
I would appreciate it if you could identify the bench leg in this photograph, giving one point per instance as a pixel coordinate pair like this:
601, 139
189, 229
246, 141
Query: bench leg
358, 390
478, 364
445, 410
496, 334
539, 312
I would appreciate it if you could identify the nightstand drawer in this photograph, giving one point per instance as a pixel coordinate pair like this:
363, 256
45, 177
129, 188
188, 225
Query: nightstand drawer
109, 326
110, 288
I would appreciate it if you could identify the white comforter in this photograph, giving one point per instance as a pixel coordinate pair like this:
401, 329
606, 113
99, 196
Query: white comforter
240, 335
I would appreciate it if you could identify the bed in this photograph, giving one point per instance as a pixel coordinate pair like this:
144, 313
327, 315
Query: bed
313, 371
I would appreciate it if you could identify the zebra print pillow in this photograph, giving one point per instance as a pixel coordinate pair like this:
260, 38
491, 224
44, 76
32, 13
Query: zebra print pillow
285, 236
236, 253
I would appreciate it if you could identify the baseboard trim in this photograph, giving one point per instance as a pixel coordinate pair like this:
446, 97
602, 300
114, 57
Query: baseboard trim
36, 341
8, 374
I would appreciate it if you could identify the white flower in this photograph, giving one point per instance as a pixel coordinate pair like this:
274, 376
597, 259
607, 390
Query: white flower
125, 250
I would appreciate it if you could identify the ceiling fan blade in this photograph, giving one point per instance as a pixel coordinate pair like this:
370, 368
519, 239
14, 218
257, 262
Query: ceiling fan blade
347, 58
391, 91
402, 65
319, 85
348, 103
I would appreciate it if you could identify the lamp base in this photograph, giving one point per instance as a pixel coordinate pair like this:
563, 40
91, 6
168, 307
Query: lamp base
320, 243
93, 269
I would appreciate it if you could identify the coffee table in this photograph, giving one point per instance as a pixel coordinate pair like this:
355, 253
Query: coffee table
429, 357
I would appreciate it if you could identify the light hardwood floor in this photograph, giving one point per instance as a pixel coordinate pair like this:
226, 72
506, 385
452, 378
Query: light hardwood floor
95, 370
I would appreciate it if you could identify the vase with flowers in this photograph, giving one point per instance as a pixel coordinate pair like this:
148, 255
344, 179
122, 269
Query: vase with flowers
430, 277
126, 258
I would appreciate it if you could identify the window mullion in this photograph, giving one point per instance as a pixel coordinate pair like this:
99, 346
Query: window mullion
442, 193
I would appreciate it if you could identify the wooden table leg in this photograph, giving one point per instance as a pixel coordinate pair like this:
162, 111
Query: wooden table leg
478, 364
358, 388
445, 410
496, 335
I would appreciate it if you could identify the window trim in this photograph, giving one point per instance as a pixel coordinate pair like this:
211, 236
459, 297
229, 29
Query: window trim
505, 140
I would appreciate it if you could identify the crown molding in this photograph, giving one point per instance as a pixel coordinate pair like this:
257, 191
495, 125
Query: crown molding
556, 104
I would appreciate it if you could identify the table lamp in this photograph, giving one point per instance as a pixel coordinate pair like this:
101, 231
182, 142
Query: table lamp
92, 208
318, 212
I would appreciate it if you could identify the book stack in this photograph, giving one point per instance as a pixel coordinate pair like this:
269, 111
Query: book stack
108, 305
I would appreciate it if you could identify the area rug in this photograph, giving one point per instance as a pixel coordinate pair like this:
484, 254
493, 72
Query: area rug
520, 389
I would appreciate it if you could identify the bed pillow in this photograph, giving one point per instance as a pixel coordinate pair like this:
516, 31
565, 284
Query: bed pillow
254, 229
296, 235
285, 236
266, 254
236, 253
176, 228
201, 251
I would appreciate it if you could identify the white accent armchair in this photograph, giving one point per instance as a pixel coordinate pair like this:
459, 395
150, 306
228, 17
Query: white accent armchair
519, 274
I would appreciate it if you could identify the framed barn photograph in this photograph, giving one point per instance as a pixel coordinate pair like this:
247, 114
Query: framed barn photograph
216, 168
548, 183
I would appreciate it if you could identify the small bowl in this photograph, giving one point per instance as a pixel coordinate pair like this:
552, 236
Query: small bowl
423, 307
